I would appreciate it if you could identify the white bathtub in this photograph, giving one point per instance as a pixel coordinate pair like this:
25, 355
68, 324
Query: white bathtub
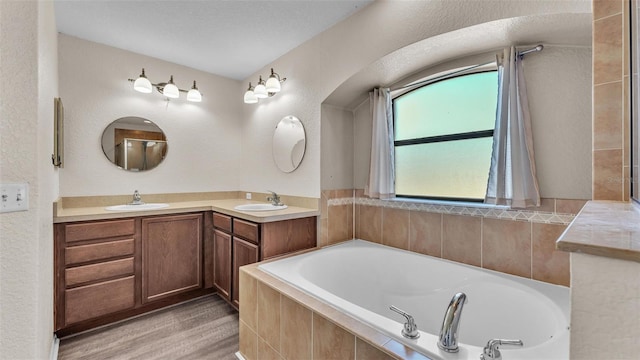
363, 279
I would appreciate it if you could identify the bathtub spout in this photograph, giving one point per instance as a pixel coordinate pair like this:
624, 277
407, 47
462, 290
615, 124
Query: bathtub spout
448, 340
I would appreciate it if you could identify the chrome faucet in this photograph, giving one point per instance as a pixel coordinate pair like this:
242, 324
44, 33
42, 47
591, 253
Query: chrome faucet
137, 199
448, 340
491, 352
274, 198
410, 330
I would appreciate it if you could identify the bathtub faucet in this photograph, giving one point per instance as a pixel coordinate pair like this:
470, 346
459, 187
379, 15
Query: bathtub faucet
448, 340
410, 330
491, 352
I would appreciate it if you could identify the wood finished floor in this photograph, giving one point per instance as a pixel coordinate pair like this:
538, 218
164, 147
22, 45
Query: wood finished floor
205, 328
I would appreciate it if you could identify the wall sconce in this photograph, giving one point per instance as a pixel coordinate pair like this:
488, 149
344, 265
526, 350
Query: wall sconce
168, 89
264, 89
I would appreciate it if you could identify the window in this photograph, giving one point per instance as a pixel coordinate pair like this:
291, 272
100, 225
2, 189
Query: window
443, 137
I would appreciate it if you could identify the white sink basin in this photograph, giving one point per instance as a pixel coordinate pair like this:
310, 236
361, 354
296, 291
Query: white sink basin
259, 207
139, 207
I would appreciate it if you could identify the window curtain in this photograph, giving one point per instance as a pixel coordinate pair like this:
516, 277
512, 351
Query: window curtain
512, 175
381, 168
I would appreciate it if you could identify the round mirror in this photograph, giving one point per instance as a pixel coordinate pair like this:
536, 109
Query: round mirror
288, 144
134, 143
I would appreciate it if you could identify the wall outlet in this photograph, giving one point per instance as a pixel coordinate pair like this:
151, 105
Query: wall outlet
14, 197
248, 196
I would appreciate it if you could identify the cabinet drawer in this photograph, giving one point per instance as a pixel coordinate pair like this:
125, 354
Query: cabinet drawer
246, 230
222, 221
93, 272
87, 302
99, 230
105, 250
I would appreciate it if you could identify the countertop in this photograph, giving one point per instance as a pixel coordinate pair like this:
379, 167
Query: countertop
226, 206
605, 228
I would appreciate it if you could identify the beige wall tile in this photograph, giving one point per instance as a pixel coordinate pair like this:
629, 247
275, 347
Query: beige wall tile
395, 228
602, 8
607, 49
248, 298
356, 232
296, 330
370, 223
364, 351
359, 193
425, 233
546, 205
269, 315
266, 352
607, 175
324, 197
461, 239
403, 352
324, 232
569, 206
331, 341
549, 265
625, 39
339, 225
343, 193
506, 246
607, 116
248, 342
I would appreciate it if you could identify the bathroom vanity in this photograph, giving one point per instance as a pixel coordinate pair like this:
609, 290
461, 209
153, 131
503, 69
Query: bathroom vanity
111, 266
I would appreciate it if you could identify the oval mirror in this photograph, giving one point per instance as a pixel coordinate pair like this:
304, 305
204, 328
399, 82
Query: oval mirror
288, 144
134, 143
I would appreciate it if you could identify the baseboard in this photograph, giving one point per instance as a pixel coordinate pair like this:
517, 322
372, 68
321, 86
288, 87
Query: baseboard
55, 345
239, 356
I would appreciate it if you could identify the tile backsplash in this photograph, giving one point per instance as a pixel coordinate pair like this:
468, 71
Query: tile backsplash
514, 241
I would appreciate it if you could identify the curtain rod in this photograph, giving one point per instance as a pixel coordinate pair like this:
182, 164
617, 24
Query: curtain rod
521, 54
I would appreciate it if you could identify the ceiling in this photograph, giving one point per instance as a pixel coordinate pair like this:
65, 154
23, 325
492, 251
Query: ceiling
231, 38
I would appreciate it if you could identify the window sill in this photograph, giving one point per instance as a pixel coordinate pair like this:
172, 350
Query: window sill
467, 204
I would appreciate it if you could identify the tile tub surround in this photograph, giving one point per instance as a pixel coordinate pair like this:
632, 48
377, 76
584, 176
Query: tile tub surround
278, 321
611, 100
473, 235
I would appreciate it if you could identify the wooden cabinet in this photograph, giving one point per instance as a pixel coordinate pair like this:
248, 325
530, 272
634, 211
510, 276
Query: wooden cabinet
171, 255
238, 242
244, 253
109, 270
222, 263
95, 269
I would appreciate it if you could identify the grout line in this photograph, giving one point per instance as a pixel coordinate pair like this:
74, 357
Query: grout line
607, 83
610, 16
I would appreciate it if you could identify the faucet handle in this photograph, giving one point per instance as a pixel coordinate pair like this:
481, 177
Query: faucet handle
410, 329
491, 352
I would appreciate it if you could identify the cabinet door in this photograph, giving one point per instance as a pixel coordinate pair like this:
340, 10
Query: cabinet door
222, 263
171, 255
244, 253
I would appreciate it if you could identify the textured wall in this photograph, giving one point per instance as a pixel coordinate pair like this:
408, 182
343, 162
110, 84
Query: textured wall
204, 138
337, 148
321, 64
561, 128
605, 321
29, 83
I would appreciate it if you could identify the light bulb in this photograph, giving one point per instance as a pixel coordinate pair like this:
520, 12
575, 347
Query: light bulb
142, 84
249, 96
273, 83
193, 94
260, 91
171, 90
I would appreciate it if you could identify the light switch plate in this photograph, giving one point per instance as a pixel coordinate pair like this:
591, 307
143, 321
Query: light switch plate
14, 197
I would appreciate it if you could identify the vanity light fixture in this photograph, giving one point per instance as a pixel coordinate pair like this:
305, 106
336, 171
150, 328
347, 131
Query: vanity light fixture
264, 90
168, 89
